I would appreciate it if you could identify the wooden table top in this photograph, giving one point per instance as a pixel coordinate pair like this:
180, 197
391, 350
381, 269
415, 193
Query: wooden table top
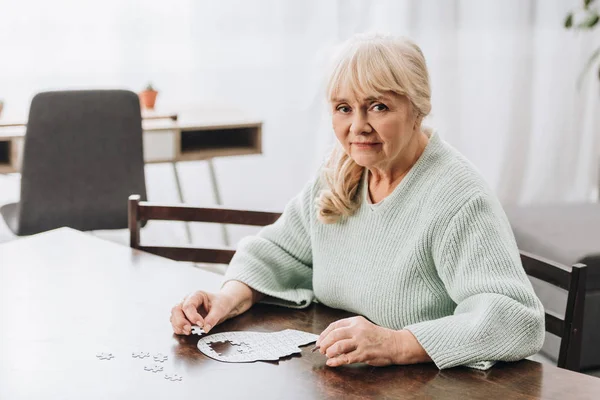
66, 296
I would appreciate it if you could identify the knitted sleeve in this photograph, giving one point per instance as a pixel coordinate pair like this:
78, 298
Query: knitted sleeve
497, 317
278, 260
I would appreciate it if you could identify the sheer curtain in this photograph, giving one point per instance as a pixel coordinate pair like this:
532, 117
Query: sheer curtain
503, 75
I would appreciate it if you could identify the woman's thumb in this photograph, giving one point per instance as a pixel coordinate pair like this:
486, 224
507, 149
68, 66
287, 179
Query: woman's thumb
214, 316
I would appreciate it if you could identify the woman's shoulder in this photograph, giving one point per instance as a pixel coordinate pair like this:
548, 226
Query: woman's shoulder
454, 179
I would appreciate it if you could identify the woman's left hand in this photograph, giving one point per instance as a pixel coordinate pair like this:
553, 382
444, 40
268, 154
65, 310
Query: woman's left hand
357, 340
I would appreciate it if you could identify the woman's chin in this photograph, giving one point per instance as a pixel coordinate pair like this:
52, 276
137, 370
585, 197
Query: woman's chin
366, 161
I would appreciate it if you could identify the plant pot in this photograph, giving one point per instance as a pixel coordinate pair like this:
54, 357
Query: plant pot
148, 99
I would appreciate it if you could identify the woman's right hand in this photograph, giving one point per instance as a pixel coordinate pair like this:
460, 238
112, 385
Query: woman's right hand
203, 309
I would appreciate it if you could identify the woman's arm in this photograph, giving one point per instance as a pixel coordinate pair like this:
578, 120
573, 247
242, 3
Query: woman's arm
241, 296
497, 315
274, 266
278, 260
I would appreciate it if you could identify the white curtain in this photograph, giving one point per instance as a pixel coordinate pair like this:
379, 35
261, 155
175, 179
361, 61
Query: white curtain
503, 74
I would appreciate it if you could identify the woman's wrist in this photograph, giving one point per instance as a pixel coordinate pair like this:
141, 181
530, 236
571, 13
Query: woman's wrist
408, 348
241, 297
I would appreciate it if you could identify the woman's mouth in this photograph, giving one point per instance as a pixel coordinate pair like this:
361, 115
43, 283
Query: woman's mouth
365, 145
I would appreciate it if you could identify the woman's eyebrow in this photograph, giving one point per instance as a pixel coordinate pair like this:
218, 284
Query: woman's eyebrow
366, 100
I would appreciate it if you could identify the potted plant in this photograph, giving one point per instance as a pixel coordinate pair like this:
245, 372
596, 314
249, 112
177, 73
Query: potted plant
585, 19
148, 97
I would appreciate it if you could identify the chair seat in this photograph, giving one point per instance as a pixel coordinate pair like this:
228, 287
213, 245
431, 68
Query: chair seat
565, 233
10, 213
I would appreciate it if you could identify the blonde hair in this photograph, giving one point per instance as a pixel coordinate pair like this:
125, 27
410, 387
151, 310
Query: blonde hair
370, 65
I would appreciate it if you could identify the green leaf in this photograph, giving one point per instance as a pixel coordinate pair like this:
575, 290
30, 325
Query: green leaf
569, 21
595, 55
590, 20
586, 3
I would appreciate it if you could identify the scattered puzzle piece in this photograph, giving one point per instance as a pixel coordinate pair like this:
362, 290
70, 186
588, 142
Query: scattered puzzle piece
196, 330
140, 354
159, 357
105, 356
153, 368
173, 377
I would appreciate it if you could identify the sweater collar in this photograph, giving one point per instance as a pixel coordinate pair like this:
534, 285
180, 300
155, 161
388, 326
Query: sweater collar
417, 170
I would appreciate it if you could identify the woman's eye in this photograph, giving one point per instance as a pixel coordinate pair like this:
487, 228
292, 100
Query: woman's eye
343, 109
379, 107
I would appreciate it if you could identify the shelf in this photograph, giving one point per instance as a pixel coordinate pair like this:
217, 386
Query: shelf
209, 143
5, 149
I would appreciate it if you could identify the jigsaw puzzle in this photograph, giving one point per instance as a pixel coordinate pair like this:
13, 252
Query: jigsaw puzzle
256, 346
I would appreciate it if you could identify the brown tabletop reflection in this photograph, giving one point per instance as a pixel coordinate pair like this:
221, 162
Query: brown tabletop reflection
66, 296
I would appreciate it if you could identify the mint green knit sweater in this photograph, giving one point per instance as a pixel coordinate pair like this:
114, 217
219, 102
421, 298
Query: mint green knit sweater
436, 257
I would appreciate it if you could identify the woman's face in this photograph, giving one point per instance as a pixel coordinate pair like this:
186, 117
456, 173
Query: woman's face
374, 131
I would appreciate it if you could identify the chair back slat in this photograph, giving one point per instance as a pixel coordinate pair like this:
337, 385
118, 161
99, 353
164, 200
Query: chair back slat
554, 324
141, 211
191, 254
546, 270
569, 328
221, 215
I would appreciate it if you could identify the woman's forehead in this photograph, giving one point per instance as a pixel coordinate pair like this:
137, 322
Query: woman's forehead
344, 95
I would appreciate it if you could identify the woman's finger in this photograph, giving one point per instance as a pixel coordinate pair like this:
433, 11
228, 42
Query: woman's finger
180, 323
334, 325
191, 305
334, 336
343, 359
341, 347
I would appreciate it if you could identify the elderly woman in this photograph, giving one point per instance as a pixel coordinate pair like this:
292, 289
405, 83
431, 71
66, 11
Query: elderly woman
399, 228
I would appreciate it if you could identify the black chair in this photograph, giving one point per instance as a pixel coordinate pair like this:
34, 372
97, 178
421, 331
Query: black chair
569, 328
83, 155
141, 212
568, 234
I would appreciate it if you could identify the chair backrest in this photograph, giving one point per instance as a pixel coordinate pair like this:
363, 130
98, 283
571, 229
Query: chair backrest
83, 155
569, 329
141, 211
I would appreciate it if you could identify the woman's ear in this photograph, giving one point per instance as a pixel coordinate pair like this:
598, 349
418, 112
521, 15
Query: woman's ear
418, 121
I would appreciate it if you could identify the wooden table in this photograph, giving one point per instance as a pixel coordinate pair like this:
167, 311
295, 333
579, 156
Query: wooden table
66, 295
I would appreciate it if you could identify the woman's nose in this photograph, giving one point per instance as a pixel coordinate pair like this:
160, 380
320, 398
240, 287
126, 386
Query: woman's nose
360, 124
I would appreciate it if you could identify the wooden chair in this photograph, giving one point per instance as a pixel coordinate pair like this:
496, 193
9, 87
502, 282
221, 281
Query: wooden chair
569, 328
142, 211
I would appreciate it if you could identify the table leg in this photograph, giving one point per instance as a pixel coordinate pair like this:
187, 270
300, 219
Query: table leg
180, 193
215, 186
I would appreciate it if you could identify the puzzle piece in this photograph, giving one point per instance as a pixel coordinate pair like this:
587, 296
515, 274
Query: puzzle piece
173, 377
159, 357
105, 356
196, 330
153, 368
140, 354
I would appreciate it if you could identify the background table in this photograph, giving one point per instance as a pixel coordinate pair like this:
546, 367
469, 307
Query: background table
66, 296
